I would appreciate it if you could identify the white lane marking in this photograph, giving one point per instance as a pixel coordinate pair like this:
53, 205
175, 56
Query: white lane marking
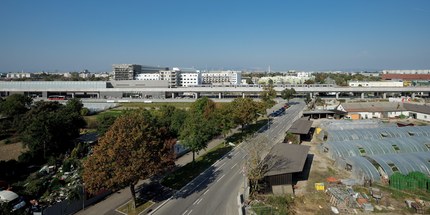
215, 163
162, 204
233, 166
219, 167
190, 212
206, 191
220, 178
195, 202
199, 201
185, 212
243, 156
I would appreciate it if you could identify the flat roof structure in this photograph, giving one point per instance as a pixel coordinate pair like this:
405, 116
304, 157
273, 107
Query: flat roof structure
373, 107
301, 126
287, 158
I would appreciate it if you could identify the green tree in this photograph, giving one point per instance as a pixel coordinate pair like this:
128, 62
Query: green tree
199, 125
288, 93
245, 111
308, 98
268, 95
74, 105
50, 128
14, 105
104, 122
172, 117
135, 147
224, 118
195, 134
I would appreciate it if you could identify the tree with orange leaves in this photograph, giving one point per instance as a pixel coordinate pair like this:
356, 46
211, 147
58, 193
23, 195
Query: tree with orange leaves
135, 147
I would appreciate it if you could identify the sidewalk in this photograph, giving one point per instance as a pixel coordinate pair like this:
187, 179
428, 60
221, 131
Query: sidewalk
113, 201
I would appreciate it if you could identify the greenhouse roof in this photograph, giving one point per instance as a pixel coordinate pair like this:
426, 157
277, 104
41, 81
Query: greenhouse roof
378, 146
390, 163
347, 124
376, 133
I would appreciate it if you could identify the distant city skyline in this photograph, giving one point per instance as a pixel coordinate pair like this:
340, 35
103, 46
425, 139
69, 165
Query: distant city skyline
285, 35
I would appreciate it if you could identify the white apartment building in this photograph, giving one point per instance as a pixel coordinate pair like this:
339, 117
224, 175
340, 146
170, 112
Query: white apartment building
189, 79
304, 74
85, 74
171, 76
375, 84
284, 79
414, 71
19, 75
148, 76
222, 77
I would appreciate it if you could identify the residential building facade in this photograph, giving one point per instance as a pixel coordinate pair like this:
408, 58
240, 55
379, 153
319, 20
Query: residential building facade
222, 77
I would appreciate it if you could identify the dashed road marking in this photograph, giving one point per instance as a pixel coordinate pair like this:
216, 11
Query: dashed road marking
206, 191
233, 166
219, 167
220, 178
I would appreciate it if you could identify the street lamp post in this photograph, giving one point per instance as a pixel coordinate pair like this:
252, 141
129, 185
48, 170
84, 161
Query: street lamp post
83, 196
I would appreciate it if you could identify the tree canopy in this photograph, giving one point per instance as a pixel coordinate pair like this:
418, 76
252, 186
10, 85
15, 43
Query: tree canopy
199, 126
288, 93
268, 95
135, 147
50, 128
15, 104
245, 111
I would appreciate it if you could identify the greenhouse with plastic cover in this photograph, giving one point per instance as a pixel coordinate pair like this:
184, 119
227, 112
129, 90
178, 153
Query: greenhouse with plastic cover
375, 167
374, 151
373, 133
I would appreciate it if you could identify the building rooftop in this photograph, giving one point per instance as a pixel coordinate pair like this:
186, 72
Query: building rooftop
417, 108
301, 126
287, 158
373, 107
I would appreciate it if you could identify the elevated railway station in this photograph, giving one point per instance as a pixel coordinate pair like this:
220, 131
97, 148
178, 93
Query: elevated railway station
161, 89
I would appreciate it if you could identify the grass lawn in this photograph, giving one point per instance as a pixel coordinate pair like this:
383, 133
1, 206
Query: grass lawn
92, 120
183, 105
127, 208
185, 174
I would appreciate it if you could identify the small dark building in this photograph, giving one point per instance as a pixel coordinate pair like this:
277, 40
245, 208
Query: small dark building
285, 160
302, 128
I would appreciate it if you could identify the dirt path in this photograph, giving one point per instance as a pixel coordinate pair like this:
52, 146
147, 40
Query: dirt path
10, 151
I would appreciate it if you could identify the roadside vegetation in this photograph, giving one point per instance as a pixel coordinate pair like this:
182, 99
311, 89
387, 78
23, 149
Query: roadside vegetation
133, 144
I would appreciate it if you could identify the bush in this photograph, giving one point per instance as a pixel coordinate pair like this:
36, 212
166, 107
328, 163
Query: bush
67, 164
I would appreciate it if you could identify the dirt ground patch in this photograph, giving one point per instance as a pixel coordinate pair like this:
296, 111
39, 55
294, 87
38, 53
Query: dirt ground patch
10, 151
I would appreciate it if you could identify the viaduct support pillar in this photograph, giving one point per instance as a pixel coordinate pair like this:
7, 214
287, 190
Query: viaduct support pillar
45, 94
337, 95
243, 95
384, 95
220, 95
413, 96
196, 95
362, 95
173, 95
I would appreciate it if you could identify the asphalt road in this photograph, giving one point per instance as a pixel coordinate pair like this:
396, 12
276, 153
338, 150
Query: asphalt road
216, 190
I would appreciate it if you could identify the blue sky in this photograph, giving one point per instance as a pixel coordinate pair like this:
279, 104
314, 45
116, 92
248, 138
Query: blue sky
303, 35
